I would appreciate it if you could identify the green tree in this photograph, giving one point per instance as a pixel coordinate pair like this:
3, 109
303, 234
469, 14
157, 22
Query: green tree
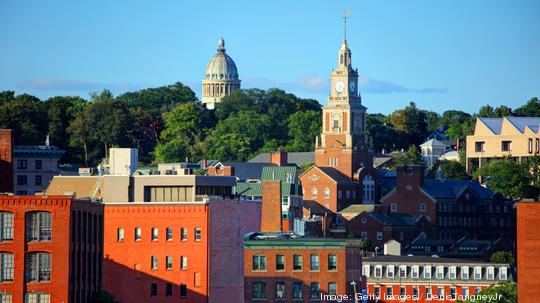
452, 170
508, 177
433, 120
103, 296
502, 257
303, 127
500, 293
384, 136
411, 157
412, 122
530, 109
25, 115
228, 147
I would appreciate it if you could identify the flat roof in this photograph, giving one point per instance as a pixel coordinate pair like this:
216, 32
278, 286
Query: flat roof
426, 260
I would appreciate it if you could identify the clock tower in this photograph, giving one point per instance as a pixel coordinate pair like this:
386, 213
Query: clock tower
343, 142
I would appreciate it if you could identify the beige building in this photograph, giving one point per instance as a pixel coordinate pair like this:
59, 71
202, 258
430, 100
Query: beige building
496, 138
220, 78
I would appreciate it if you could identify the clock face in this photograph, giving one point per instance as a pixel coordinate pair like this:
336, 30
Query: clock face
352, 86
340, 86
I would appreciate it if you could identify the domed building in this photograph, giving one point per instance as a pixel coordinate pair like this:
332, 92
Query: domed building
220, 78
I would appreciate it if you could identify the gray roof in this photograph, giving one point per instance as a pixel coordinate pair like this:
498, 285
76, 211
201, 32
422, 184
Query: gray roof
495, 124
335, 174
450, 189
419, 259
246, 170
297, 158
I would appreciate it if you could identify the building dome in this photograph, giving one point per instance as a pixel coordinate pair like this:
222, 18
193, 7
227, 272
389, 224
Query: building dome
221, 66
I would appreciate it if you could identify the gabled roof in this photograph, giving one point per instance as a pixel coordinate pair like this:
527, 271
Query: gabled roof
335, 174
520, 123
246, 170
283, 173
433, 143
494, 124
451, 189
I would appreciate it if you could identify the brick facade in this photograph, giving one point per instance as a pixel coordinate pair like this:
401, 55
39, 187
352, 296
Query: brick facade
6, 161
528, 251
271, 220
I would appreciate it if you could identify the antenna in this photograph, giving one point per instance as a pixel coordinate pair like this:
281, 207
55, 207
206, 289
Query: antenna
345, 17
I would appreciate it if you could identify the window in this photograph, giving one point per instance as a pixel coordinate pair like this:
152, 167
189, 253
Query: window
439, 272
38, 226
403, 271
6, 267
465, 291
198, 234
38, 267
168, 234
453, 293
22, 180
440, 292
465, 273
368, 185
414, 272
183, 262
37, 180
314, 193
6, 297
530, 146
332, 262
6, 223
280, 290
393, 207
490, 273
427, 272
402, 291
297, 290
503, 275
183, 290
339, 195
423, 207
168, 263
379, 235
297, 262
377, 292
280, 262
429, 294
120, 234
168, 289
38, 164
22, 164
452, 272
137, 233
315, 291
326, 193
389, 291
154, 234
183, 234
390, 271
259, 263
477, 273
259, 290
378, 271
332, 288
364, 234
153, 289
415, 293
537, 143
314, 264
37, 297
365, 270
506, 145
154, 263
348, 194
479, 146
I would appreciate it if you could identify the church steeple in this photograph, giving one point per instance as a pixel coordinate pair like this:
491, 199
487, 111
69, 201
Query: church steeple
344, 56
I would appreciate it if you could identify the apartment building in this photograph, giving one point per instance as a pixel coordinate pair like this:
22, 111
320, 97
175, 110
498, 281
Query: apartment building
282, 267
166, 237
51, 249
34, 167
495, 138
427, 279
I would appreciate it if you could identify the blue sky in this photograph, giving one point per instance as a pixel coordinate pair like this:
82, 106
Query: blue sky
443, 55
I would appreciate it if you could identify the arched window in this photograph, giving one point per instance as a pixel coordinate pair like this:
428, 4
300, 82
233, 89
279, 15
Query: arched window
314, 192
6, 267
38, 267
6, 226
38, 226
368, 184
326, 193
259, 290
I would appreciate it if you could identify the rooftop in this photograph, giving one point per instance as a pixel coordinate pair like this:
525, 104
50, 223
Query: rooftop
421, 260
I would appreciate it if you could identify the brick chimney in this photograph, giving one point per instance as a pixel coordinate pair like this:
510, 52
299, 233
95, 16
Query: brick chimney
271, 220
6, 161
279, 158
222, 171
410, 177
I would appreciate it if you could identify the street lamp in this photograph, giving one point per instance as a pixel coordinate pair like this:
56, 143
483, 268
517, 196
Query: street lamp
354, 289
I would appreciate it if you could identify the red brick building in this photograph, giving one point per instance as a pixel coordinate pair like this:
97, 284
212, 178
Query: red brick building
284, 269
6, 161
394, 279
50, 249
528, 251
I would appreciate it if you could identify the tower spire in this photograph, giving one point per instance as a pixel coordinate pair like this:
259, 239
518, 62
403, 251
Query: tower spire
345, 17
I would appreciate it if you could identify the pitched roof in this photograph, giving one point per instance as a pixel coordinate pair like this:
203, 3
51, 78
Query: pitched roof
247, 170
335, 174
450, 189
433, 143
494, 124
283, 173
521, 123
418, 259
298, 158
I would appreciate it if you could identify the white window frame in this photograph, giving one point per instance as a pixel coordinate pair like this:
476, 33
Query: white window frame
452, 272
465, 273
439, 272
427, 272
390, 270
415, 272
477, 270
503, 273
490, 273
393, 207
377, 273
365, 270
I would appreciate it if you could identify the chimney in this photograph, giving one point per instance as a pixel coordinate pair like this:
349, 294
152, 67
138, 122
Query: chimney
410, 177
279, 158
458, 144
204, 164
271, 220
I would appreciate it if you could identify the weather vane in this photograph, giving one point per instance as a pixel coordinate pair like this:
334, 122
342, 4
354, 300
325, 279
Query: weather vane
345, 17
